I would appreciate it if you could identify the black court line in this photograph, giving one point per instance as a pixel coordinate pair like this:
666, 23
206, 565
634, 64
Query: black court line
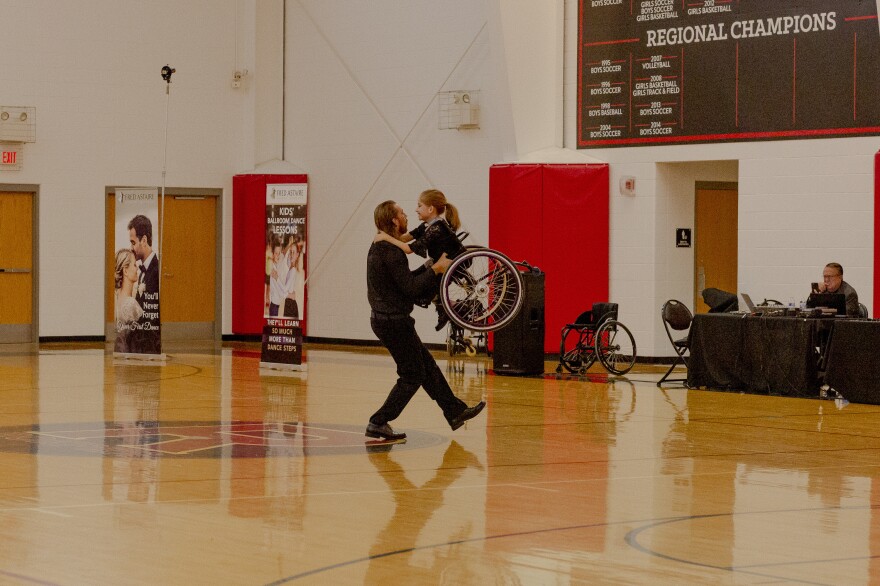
630, 540
27, 579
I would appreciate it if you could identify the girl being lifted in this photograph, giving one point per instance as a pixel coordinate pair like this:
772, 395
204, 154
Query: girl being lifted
434, 236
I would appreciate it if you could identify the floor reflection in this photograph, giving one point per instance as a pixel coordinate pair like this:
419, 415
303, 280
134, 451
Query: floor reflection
414, 506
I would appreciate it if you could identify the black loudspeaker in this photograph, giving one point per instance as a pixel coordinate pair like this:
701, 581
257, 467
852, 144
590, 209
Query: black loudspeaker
519, 346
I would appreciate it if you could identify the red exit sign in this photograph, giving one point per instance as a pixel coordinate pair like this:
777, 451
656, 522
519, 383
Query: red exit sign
10, 156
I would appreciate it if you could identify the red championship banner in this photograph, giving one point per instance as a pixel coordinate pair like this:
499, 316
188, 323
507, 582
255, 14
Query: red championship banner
284, 285
136, 274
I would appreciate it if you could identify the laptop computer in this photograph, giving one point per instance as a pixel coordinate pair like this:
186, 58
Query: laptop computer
749, 304
835, 301
759, 309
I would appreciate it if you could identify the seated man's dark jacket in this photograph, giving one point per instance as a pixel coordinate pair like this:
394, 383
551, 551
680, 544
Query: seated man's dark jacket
391, 287
852, 298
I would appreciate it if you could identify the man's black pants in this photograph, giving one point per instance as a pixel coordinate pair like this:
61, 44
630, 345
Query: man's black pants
415, 368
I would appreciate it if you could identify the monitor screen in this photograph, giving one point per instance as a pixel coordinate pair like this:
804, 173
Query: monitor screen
834, 300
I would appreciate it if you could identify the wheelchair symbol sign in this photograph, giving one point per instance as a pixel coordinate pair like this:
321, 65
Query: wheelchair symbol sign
683, 237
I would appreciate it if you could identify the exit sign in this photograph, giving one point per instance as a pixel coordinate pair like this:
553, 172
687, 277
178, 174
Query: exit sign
10, 156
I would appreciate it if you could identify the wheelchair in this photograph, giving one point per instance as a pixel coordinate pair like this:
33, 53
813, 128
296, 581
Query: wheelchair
482, 290
597, 335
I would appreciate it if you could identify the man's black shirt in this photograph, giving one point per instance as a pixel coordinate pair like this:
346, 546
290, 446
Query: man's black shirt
391, 287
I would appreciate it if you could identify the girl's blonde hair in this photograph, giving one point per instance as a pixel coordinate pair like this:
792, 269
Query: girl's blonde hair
435, 197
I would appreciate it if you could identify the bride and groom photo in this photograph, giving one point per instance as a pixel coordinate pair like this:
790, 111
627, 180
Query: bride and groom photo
136, 291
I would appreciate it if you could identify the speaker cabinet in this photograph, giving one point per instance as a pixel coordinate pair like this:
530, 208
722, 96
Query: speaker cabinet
519, 346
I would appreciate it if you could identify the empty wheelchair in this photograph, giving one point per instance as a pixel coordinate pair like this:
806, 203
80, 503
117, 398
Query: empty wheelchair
597, 335
482, 289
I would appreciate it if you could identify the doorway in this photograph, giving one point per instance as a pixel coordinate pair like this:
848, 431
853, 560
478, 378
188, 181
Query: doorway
715, 239
17, 267
190, 264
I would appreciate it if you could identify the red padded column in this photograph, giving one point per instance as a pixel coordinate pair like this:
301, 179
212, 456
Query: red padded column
556, 218
516, 211
576, 236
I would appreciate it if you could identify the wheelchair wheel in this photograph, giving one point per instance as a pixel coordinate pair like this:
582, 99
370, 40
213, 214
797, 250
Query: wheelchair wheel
575, 353
482, 290
615, 347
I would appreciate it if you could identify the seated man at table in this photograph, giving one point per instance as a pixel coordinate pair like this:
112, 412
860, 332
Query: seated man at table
832, 282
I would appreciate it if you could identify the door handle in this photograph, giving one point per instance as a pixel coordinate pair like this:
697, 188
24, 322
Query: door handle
12, 270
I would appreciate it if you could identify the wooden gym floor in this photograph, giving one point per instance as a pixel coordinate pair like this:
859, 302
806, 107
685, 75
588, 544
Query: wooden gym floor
203, 471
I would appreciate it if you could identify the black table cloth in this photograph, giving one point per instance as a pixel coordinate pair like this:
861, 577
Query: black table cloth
854, 361
770, 355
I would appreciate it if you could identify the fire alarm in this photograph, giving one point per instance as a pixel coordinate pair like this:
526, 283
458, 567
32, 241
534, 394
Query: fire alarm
627, 185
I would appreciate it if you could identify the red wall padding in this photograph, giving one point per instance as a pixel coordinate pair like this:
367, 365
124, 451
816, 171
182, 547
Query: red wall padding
557, 218
516, 211
249, 249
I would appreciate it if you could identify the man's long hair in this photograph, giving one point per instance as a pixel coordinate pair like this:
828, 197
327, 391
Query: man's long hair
384, 216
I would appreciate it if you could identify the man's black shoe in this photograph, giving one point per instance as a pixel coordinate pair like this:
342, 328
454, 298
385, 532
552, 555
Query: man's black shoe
468, 413
384, 431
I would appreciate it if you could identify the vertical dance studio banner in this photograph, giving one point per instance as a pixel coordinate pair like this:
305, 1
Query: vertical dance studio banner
284, 285
136, 273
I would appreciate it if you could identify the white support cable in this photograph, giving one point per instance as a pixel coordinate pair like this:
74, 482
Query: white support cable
401, 142
164, 172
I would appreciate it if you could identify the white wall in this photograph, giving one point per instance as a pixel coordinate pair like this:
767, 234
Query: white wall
92, 69
528, 44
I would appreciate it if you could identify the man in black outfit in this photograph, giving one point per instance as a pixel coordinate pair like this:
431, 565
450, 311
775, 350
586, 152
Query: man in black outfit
392, 290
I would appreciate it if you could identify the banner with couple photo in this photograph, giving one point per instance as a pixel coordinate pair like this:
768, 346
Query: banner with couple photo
136, 273
284, 286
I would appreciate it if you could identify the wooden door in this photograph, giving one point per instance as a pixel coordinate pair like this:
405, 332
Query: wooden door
188, 263
715, 242
16, 267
